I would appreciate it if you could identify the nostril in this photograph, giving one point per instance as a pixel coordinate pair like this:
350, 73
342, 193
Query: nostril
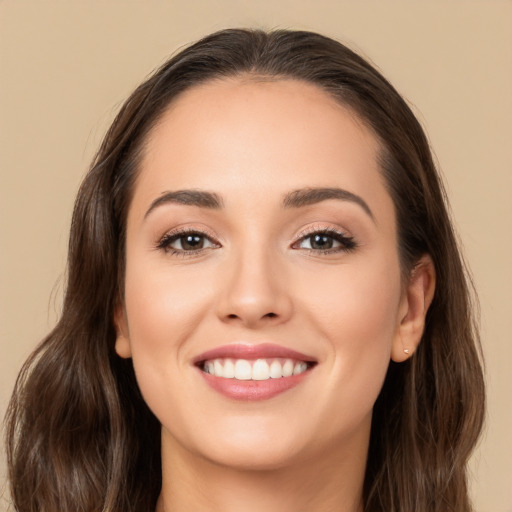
270, 315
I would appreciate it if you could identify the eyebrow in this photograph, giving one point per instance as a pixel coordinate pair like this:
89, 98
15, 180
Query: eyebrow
295, 199
309, 196
200, 198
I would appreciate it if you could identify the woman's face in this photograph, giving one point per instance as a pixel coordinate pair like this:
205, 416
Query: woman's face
261, 229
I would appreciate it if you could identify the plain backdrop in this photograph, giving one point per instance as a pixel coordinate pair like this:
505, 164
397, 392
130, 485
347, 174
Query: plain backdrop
66, 66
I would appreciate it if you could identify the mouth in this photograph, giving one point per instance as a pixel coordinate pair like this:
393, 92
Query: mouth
254, 369
253, 372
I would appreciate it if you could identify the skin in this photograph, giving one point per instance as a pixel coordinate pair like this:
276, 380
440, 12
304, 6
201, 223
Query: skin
257, 280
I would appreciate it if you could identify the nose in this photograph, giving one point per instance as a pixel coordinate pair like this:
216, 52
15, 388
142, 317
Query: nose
254, 292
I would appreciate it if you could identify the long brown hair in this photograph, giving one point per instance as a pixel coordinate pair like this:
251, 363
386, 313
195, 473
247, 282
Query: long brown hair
79, 435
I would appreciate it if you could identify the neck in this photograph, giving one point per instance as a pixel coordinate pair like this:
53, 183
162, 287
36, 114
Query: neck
330, 483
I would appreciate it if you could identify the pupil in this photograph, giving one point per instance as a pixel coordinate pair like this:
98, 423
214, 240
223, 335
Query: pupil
192, 242
321, 242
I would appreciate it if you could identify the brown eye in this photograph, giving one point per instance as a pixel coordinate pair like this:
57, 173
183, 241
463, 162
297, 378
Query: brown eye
321, 242
185, 242
326, 241
191, 242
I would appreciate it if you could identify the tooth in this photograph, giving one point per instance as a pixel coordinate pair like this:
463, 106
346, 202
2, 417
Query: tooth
217, 368
299, 368
243, 370
276, 370
288, 368
260, 370
229, 369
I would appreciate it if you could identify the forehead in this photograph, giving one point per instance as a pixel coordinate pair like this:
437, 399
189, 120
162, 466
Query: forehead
249, 136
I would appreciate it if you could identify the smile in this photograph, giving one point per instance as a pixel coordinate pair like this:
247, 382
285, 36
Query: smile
253, 372
259, 369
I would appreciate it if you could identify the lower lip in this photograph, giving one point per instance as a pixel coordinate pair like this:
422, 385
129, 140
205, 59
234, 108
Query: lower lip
251, 390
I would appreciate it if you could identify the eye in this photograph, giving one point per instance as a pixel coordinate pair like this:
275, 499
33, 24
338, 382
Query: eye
325, 241
186, 242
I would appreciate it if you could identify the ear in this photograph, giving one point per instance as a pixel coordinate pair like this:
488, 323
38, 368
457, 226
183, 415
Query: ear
122, 346
416, 300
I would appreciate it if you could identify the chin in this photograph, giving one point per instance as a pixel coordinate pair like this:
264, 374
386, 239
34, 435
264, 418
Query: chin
262, 446
270, 457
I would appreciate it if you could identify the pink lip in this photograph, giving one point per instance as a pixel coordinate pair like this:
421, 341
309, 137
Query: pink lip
251, 390
245, 351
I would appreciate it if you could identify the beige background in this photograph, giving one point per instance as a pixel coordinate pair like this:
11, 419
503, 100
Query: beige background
66, 66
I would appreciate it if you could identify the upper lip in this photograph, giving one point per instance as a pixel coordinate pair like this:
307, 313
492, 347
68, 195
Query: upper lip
248, 351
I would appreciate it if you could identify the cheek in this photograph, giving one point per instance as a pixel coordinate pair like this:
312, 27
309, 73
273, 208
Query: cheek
355, 306
355, 310
162, 307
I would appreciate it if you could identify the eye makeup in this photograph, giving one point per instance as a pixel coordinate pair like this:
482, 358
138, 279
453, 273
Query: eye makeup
318, 240
322, 240
187, 242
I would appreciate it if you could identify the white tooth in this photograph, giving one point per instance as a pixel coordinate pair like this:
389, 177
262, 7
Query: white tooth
217, 368
208, 367
229, 369
276, 370
260, 370
299, 368
288, 368
243, 370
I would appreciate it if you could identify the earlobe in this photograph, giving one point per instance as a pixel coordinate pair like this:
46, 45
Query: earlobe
122, 346
417, 298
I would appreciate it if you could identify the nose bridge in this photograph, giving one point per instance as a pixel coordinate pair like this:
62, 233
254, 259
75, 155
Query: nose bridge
253, 291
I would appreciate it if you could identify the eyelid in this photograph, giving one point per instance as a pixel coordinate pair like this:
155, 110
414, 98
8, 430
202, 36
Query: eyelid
322, 228
171, 235
346, 240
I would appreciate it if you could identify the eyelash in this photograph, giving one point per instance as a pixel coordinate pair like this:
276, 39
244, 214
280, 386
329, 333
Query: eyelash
169, 238
347, 243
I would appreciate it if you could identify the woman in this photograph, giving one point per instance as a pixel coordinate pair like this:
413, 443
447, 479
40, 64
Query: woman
266, 307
